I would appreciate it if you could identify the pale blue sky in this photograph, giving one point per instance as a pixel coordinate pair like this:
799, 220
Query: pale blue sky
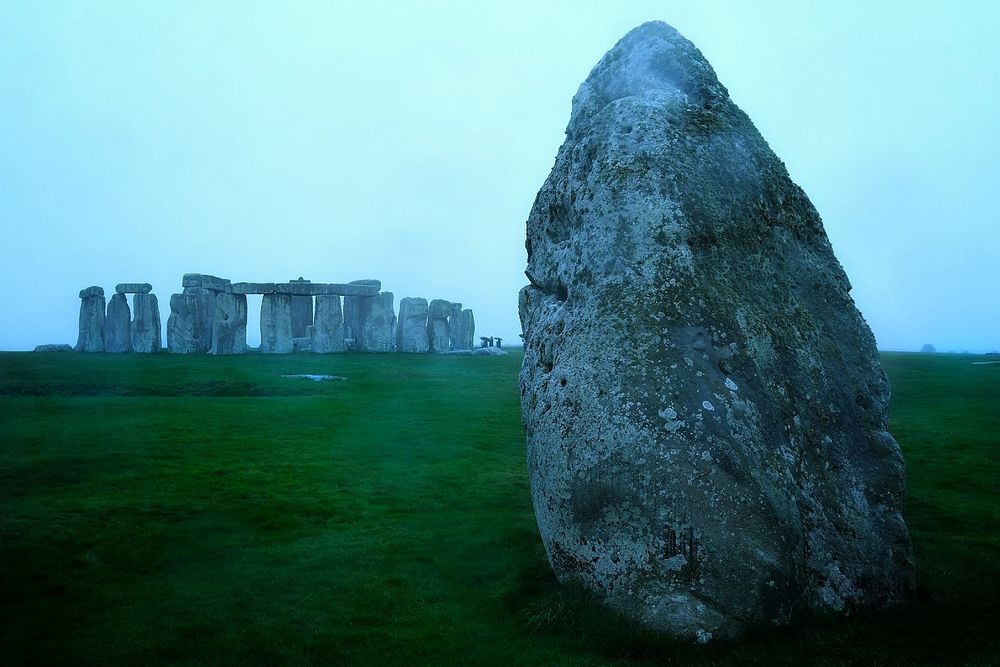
406, 141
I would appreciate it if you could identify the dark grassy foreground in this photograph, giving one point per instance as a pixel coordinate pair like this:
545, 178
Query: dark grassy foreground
206, 510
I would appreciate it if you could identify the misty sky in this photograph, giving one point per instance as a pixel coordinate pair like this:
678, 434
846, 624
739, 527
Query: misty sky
405, 141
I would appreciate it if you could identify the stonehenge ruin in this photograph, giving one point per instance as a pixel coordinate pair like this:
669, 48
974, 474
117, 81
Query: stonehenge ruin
209, 316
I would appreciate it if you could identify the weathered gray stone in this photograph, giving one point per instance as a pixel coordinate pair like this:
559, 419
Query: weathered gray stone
205, 281
327, 330
302, 311
704, 406
378, 325
54, 347
306, 289
411, 327
117, 323
145, 327
91, 335
437, 326
189, 326
133, 288
276, 324
355, 307
468, 329
229, 326
455, 334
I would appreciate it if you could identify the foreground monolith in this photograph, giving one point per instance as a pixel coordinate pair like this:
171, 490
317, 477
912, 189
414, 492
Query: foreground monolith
276, 324
144, 329
327, 331
704, 405
92, 314
411, 327
116, 324
377, 331
438, 341
229, 324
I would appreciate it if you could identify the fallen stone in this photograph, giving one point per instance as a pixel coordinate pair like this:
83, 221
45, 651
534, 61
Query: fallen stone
328, 327
92, 313
276, 324
229, 328
54, 347
145, 326
133, 288
489, 352
301, 343
668, 253
117, 325
378, 325
438, 341
411, 327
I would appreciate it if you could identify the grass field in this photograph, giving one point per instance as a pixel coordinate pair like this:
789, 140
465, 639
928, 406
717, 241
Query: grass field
206, 510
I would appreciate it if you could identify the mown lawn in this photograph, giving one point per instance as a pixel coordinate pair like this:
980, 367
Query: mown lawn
206, 510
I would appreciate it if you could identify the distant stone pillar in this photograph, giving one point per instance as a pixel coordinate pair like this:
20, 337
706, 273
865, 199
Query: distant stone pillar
378, 325
327, 330
355, 311
92, 305
437, 326
204, 288
411, 328
455, 326
302, 312
276, 324
116, 325
188, 326
229, 326
468, 329
145, 327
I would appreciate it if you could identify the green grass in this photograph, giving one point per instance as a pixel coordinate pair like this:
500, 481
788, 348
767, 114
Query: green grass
193, 509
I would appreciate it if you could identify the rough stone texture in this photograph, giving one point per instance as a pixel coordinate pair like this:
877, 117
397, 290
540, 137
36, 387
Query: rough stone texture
354, 310
92, 305
133, 288
704, 406
116, 325
327, 331
455, 333
205, 281
229, 326
411, 328
302, 312
54, 347
189, 326
437, 326
276, 324
367, 288
145, 327
378, 325
468, 330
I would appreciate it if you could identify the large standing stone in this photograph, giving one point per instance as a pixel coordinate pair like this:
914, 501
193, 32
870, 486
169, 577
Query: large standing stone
355, 309
92, 305
205, 319
411, 328
276, 324
468, 329
455, 333
437, 326
327, 331
116, 325
188, 327
229, 327
302, 312
704, 405
145, 327
378, 325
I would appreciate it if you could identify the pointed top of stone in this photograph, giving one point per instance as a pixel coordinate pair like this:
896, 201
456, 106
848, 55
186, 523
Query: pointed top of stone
652, 64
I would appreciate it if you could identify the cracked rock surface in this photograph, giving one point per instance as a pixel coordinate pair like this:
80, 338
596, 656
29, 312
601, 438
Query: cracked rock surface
705, 411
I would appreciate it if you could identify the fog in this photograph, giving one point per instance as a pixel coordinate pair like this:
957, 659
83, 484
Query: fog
406, 141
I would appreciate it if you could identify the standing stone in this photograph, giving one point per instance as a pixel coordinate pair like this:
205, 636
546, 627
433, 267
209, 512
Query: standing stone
204, 300
145, 327
468, 329
411, 329
705, 411
302, 312
378, 325
437, 326
91, 336
188, 330
276, 324
229, 328
355, 311
116, 325
455, 333
327, 331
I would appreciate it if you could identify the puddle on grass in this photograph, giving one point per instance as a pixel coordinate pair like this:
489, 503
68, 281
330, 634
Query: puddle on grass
983, 363
315, 378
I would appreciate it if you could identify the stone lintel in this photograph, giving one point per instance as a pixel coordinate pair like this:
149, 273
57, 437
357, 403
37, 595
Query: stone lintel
91, 291
304, 289
133, 288
206, 281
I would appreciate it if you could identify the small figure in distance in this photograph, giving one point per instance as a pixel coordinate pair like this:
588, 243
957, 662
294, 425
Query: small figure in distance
499, 340
485, 341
